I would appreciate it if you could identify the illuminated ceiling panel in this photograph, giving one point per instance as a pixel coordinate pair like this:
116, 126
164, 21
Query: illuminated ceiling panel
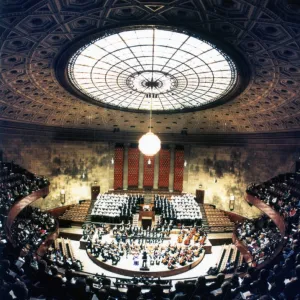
130, 69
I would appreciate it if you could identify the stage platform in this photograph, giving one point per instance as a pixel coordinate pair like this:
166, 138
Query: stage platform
72, 233
126, 267
213, 239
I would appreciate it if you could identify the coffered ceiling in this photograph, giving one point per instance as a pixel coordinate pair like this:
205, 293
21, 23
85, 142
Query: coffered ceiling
34, 34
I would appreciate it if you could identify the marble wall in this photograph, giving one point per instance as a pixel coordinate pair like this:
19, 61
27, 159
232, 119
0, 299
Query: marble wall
76, 166
70, 166
225, 171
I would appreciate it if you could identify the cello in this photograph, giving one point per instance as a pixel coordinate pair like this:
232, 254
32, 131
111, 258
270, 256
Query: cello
180, 238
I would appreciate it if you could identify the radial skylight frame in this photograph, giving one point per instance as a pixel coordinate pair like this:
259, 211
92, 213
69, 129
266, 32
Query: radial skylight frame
116, 70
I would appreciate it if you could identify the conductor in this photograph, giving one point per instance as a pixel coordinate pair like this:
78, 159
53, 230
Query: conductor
144, 259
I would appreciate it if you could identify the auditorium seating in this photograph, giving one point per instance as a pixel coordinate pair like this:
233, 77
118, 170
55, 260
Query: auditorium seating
62, 254
31, 228
217, 220
261, 236
77, 213
16, 183
33, 279
229, 260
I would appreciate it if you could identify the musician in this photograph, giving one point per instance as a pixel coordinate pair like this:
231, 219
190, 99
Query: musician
144, 258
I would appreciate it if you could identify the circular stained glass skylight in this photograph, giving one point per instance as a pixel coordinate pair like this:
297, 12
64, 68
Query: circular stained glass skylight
137, 68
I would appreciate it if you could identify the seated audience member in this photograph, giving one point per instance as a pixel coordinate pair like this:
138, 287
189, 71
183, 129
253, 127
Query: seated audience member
260, 286
226, 293
179, 289
20, 290
5, 272
218, 282
201, 288
189, 292
80, 291
133, 292
156, 292
292, 289
102, 294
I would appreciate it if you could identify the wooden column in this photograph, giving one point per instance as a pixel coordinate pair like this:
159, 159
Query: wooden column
111, 168
141, 171
172, 164
125, 168
187, 150
156, 171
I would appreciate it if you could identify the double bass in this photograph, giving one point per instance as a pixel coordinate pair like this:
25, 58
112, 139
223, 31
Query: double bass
187, 241
203, 239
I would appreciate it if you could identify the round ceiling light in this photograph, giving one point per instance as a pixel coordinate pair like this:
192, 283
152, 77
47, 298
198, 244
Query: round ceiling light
183, 72
149, 144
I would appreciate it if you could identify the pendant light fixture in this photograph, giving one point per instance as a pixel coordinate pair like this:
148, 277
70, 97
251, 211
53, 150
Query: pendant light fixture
149, 143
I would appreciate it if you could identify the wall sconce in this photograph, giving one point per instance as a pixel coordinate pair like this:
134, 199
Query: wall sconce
112, 161
62, 196
149, 161
185, 163
231, 202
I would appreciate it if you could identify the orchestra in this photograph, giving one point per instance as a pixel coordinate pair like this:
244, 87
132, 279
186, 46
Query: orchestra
137, 242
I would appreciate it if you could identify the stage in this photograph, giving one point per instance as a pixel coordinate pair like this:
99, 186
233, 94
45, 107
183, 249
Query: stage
125, 266
130, 262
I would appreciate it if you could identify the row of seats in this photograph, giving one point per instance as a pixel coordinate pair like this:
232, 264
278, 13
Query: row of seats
77, 212
217, 220
62, 255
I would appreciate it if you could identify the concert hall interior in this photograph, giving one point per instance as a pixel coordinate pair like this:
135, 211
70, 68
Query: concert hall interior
149, 149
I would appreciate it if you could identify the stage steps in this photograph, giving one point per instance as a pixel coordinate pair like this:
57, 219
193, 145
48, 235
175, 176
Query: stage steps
204, 217
88, 218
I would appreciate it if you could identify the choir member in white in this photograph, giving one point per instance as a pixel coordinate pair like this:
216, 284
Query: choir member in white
114, 208
187, 209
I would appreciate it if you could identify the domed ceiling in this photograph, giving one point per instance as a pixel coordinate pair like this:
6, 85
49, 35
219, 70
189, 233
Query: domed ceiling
265, 35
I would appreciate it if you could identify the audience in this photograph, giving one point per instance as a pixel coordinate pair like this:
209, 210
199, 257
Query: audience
261, 236
31, 227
